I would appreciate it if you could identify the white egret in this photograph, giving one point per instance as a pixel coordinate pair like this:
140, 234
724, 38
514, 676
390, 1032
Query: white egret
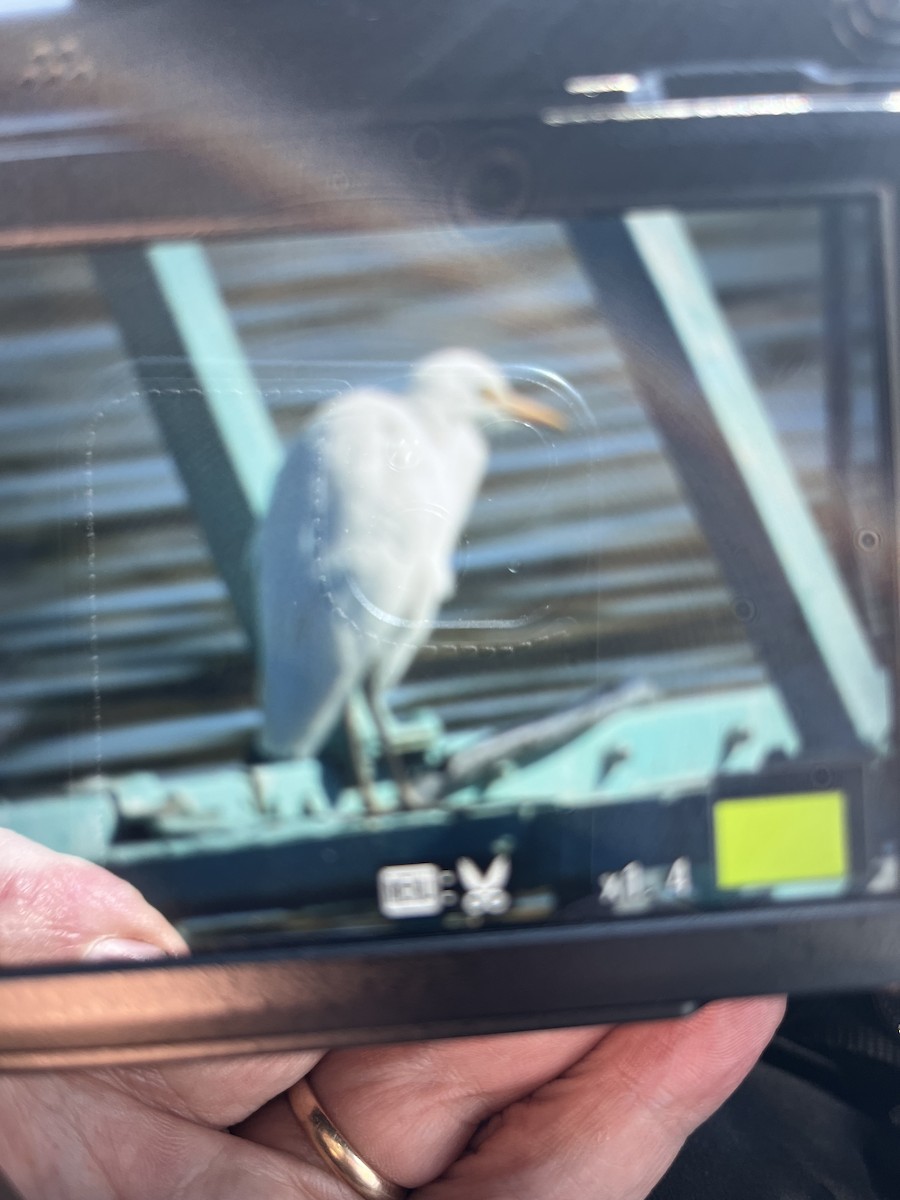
357, 547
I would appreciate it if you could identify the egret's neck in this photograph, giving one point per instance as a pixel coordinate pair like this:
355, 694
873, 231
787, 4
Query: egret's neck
442, 410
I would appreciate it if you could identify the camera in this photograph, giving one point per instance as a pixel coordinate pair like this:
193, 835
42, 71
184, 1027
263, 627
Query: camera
449, 542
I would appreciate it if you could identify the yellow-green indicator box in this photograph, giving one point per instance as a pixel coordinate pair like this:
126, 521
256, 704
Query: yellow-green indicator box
763, 841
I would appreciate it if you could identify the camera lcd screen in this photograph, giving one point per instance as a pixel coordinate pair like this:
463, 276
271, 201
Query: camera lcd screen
375, 585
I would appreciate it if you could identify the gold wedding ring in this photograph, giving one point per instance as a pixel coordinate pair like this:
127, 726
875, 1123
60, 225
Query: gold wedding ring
335, 1151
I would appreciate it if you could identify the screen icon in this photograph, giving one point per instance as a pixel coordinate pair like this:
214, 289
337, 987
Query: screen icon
485, 893
413, 890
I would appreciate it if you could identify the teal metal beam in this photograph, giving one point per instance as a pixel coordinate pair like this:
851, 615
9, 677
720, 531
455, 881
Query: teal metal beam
691, 376
207, 404
244, 430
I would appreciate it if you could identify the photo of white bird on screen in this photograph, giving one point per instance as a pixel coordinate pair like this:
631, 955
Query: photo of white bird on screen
357, 547
397, 583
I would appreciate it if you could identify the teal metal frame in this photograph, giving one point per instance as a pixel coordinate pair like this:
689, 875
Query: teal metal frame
194, 374
691, 376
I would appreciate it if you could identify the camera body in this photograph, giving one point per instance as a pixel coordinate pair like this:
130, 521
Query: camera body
715, 816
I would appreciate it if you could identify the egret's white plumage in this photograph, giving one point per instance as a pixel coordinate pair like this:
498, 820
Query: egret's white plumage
356, 550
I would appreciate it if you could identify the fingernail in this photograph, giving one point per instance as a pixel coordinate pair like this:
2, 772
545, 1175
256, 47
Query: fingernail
111, 949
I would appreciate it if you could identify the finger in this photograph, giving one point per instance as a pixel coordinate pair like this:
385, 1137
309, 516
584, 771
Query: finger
67, 1135
610, 1126
220, 1093
410, 1110
55, 907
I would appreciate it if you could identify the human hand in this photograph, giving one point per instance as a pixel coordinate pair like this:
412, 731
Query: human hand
568, 1115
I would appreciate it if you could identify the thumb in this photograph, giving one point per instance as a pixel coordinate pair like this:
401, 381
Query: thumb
57, 908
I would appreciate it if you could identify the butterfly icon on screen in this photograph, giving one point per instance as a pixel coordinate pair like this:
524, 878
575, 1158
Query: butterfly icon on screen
485, 894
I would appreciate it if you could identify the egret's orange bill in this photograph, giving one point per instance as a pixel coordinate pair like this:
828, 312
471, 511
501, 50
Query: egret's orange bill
526, 409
